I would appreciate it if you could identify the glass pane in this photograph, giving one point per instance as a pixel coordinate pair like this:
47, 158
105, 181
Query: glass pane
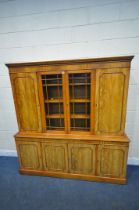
54, 92
55, 124
54, 108
53, 99
79, 89
79, 78
80, 124
80, 108
52, 79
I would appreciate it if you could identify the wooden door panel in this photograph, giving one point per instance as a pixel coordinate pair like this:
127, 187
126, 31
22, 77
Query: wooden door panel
26, 101
82, 158
113, 160
111, 102
29, 155
55, 156
111, 97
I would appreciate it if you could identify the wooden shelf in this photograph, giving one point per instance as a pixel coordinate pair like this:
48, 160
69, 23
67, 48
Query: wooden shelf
79, 100
51, 79
54, 101
52, 85
80, 128
76, 116
51, 128
55, 116
78, 84
80, 116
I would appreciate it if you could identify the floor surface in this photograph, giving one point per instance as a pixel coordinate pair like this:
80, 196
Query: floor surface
22, 192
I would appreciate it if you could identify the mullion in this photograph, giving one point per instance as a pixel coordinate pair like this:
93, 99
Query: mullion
59, 99
73, 96
49, 122
86, 98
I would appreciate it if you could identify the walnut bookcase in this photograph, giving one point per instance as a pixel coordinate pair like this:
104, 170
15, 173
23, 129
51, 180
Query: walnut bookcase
71, 117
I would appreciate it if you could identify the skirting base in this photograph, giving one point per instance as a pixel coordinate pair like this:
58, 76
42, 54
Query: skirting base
74, 176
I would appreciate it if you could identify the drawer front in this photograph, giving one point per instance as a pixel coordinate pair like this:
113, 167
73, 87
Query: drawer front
82, 158
55, 156
29, 155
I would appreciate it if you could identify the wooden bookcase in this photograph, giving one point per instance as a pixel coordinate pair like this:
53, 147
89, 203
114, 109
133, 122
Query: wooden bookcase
71, 116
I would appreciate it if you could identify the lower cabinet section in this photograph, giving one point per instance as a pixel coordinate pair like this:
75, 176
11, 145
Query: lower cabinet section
91, 160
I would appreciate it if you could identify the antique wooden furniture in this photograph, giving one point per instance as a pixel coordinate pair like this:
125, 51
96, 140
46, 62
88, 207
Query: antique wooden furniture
71, 116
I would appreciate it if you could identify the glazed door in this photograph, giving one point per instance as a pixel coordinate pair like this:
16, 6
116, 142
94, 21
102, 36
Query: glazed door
67, 101
81, 101
53, 101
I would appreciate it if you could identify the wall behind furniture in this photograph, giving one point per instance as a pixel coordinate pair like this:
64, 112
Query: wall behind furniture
32, 30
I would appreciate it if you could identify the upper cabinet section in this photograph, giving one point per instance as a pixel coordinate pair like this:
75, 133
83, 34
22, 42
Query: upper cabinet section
75, 96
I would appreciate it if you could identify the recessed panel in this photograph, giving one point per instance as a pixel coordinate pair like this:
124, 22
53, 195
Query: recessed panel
82, 158
110, 107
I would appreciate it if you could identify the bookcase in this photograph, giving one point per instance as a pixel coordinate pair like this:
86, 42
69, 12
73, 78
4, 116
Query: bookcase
71, 116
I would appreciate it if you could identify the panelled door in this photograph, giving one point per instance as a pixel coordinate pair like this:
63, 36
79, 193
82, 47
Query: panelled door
25, 92
67, 101
82, 158
29, 154
111, 97
55, 156
113, 158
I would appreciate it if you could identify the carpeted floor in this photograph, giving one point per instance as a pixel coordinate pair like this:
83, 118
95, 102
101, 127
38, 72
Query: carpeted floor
20, 192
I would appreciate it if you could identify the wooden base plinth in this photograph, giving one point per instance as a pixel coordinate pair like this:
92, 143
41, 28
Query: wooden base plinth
74, 176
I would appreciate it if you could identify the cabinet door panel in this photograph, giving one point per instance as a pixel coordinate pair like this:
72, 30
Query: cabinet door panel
29, 155
111, 97
82, 158
26, 101
113, 160
55, 156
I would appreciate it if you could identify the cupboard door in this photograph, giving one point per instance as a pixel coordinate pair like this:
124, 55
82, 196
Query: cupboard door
82, 158
26, 101
113, 159
29, 155
55, 156
111, 97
